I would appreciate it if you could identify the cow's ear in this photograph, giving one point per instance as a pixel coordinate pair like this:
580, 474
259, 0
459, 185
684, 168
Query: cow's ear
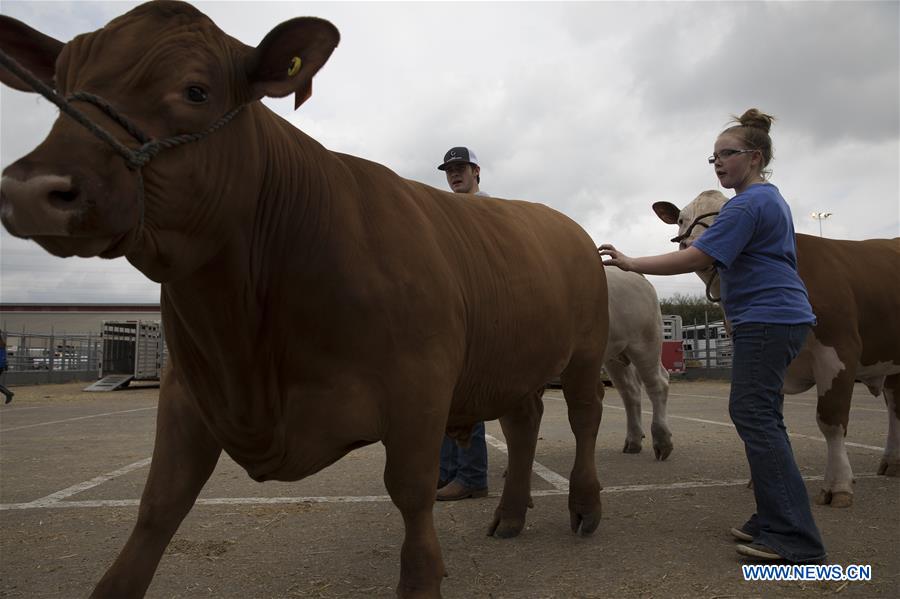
31, 49
288, 57
667, 212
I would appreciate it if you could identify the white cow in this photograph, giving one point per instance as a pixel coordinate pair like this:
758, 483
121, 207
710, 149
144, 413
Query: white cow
634, 357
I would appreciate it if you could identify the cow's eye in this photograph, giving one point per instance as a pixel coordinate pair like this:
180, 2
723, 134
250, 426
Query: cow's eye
196, 94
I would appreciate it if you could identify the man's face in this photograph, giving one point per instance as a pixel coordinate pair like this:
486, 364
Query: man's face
461, 177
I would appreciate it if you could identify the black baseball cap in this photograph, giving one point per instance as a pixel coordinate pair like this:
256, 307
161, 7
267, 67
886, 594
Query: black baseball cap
458, 154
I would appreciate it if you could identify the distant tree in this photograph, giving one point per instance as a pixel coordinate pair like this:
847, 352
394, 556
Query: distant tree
691, 308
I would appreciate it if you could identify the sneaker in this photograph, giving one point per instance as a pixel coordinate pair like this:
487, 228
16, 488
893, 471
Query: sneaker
758, 551
456, 491
741, 534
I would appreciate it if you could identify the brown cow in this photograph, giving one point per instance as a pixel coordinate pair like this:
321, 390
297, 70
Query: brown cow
856, 336
313, 302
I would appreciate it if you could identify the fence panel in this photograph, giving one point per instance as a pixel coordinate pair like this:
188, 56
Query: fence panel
36, 359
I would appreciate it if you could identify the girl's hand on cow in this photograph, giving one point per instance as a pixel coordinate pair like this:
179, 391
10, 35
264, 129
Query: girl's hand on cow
615, 257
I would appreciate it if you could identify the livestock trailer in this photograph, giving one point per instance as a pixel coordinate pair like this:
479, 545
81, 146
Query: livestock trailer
132, 350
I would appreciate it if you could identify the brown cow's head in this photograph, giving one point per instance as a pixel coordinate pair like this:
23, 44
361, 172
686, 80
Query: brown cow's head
692, 220
168, 69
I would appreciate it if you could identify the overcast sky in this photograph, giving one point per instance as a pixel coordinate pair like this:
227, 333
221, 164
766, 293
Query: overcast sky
597, 109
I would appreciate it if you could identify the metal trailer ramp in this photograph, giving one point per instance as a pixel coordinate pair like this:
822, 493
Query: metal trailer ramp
111, 382
133, 350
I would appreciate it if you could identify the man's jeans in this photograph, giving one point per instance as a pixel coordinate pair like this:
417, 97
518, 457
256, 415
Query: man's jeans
468, 466
783, 519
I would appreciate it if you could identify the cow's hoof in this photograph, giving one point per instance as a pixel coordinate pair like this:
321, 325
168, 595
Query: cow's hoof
889, 467
841, 499
662, 450
584, 517
834, 498
506, 528
407, 592
585, 524
631, 447
662, 442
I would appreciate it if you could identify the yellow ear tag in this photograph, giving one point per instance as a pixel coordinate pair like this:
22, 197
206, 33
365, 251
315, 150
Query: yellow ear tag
295, 66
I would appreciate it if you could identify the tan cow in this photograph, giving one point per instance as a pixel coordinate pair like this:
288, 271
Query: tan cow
313, 302
633, 357
856, 337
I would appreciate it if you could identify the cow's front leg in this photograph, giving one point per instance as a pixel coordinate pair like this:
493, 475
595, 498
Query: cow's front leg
832, 416
656, 382
624, 379
520, 427
184, 456
410, 475
890, 461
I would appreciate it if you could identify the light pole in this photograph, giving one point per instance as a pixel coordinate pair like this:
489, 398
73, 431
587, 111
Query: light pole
820, 216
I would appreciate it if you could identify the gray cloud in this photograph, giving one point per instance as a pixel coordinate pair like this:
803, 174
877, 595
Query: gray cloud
828, 69
596, 109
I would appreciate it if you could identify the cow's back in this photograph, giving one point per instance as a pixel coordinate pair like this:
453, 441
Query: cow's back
533, 287
523, 281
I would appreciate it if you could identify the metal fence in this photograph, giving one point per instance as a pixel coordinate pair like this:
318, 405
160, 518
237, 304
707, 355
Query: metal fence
34, 359
713, 353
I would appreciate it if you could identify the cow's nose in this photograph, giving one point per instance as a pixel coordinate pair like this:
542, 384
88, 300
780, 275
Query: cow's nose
39, 205
683, 245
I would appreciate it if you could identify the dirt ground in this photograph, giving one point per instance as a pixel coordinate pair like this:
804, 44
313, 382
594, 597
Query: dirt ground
73, 464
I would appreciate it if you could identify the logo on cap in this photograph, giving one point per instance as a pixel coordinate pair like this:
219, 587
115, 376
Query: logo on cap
458, 154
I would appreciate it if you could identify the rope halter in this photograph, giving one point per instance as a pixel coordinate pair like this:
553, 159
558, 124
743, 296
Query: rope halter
698, 221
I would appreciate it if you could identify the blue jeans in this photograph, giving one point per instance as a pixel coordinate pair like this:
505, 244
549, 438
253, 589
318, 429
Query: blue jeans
468, 466
783, 520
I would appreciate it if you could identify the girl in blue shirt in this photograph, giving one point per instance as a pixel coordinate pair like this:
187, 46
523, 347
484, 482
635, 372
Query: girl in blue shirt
752, 245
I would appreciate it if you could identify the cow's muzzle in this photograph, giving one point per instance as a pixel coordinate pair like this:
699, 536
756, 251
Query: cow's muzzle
697, 221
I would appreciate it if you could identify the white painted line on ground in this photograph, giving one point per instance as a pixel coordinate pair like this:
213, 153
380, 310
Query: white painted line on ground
53, 498
790, 434
560, 483
106, 503
810, 404
19, 428
847, 443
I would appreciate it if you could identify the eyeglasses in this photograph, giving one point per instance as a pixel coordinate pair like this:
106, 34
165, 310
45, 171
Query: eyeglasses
727, 153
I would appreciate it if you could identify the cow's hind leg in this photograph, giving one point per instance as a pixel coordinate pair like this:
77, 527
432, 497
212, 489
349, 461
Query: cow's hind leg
890, 461
583, 391
184, 456
410, 476
520, 428
625, 381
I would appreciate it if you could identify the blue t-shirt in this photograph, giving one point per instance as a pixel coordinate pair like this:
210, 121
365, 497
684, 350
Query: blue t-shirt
752, 242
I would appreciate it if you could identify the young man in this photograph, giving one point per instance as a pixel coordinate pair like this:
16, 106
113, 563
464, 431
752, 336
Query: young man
463, 470
462, 170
